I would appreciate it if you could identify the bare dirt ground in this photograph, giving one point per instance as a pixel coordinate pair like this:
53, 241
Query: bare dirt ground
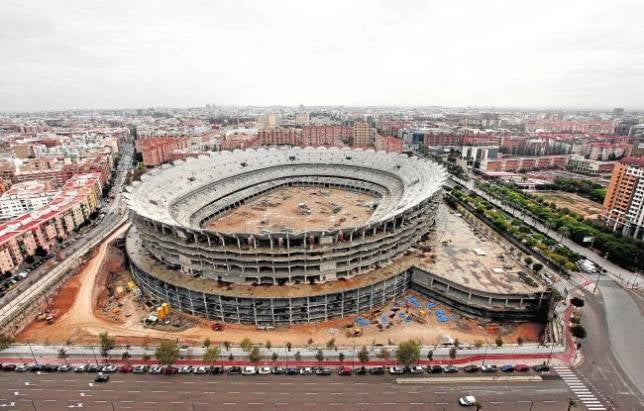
578, 204
83, 299
298, 209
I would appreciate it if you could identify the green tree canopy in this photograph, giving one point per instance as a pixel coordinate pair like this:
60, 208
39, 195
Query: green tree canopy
408, 352
167, 352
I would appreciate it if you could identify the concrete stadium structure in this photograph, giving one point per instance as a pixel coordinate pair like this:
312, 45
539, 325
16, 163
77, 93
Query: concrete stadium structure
284, 277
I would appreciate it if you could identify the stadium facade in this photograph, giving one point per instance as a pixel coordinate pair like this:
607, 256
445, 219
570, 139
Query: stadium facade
282, 277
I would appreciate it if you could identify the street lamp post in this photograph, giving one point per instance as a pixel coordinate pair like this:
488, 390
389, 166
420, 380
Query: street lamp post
94, 352
32, 353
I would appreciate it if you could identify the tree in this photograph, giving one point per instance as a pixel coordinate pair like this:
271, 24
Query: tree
289, 346
246, 344
457, 343
62, 354
452, 353
309, 342
125, 356
571, 403
330, 344
408, 352
298, 356
528, 260
384, 354
211, 354
430, 355
478, 343
107, 343
363, 355
146, 357
268, 345
5, 341
255, 355
319, 355
167, 352
578, 331
577, 302
274, 357
227, 345
520, 340
498, 341
341, 357
231, 357
206, 343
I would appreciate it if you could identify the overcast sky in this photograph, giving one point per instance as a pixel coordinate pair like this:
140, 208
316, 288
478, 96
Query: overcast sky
95, 54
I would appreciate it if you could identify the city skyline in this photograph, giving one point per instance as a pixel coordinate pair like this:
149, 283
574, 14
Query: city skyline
500, 54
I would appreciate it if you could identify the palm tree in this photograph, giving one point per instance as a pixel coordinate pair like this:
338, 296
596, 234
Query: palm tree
571, 403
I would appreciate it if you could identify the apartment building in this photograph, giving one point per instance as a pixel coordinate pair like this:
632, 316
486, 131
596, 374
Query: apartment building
583, 165
524, 163
362, 135
624, 201
22, 236
24, 197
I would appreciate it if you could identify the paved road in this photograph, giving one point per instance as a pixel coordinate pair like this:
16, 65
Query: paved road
53, 392
600, 367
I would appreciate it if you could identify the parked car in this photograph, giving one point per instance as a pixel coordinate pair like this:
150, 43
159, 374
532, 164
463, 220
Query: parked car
140, 369
156, 369
250, 370
126, 368
186, 369
202, 369
217, 326
450, 369
306, 371
234, 370
541, 368
264, 371
417, 369
109, 368
169, 370
471, 368
36, 367
345, 371
360, 371
101, 377
9, 367
377, 371
93, 368
521, 368
322, 371
396, 370
278, 370
489, 368
64, 368
507, 368
435, 369
50, 368
216, 370
292, 371
80, 367
22, 368
468, 401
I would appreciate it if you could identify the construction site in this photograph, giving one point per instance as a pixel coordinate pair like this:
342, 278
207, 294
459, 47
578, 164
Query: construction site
103, 297
297, 210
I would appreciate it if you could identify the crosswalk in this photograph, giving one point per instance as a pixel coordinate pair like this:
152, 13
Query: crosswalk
584, 395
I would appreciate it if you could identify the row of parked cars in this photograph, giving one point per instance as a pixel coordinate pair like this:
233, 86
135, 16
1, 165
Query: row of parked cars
252, 370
